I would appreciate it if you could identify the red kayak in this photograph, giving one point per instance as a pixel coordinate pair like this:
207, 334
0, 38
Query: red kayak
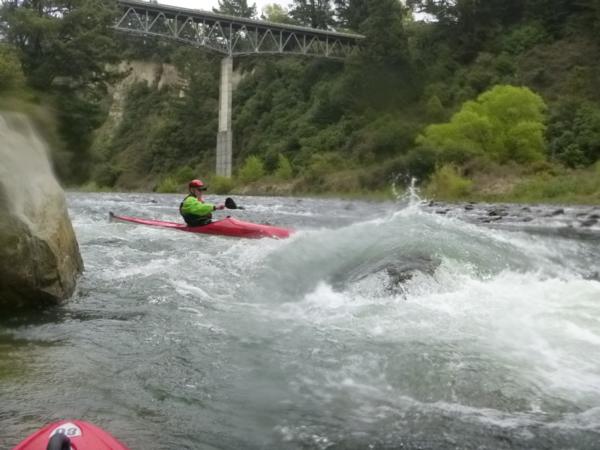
225, 227
70, 434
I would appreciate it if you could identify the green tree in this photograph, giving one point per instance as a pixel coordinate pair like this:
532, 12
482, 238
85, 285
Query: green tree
274, 12
11, 74
59, 38
448, 184
467, 24
380, 76
590, 12
64, 47
574, 133
313, 13
284, 168
252, 170
504, 123
386, 42
553, 14
352, 13
239, 8
434, 108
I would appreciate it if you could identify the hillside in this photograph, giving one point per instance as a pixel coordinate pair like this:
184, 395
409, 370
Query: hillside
314, 126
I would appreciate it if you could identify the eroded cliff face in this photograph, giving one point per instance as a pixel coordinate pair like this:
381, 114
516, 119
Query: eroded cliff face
39, 254
154, 74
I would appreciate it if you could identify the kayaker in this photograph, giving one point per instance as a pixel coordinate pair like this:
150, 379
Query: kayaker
194, 210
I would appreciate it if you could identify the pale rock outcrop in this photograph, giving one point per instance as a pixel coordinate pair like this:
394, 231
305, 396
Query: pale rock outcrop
154, 74
39, 255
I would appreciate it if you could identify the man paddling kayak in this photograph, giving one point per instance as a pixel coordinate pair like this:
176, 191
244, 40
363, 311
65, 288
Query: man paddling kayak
194, 210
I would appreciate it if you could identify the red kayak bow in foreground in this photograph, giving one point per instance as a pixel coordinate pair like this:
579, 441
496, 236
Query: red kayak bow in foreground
70, 434
225, 227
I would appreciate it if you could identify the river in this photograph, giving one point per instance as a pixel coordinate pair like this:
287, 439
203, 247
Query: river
377, 325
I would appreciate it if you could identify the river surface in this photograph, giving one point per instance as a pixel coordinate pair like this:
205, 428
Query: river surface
377, 325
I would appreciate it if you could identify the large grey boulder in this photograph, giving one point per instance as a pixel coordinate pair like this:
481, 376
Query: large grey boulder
39, 255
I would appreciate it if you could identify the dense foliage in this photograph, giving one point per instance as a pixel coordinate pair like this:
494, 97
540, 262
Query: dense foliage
64, 46
503, 124
11, 73
238, 8
477, 89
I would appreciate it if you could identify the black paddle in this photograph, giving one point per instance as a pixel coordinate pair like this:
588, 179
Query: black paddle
230, 204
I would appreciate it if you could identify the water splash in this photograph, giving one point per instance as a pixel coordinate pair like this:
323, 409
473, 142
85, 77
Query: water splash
409, 197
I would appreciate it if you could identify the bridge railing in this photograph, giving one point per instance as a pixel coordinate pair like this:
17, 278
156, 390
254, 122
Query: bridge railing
230, 35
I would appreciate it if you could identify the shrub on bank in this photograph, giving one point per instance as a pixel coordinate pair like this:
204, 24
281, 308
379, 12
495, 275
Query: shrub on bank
447, 184
221, 185
185, 174
579, 186
252, 170
505, 124
105, 175
168, 185
11, 73
284, 168
574, 133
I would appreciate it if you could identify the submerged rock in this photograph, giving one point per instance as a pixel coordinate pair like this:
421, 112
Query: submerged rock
397, 269
39, 255
557, 212
498, 212
588, 222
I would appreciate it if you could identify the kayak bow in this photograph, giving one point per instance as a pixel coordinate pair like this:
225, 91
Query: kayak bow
70, 434
224, 227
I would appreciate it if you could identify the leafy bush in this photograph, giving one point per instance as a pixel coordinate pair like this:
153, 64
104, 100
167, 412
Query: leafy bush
330, 139
284, 168
446, 183
168, 185
11, 73
434, 108
524, 37
439, 90
574, 133
221, 185
252, 170
505, 123
92, 186
418, 163
185, 174
386, 136
482, 74
105, 175
323, 164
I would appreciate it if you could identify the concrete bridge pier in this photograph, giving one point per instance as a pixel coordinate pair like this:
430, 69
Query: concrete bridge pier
225, 135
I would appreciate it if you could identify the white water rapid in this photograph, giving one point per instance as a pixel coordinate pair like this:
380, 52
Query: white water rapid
374, 326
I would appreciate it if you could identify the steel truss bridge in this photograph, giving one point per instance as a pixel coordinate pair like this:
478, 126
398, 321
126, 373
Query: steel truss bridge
231, 36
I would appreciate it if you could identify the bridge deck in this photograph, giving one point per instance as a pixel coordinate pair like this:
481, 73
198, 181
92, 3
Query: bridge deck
232, 35
237, 22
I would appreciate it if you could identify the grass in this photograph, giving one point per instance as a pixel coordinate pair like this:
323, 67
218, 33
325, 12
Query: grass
447, 184
516, 184
571, 186
168, 185
576, 186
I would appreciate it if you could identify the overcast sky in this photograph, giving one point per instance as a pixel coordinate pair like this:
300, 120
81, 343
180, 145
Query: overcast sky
207, 5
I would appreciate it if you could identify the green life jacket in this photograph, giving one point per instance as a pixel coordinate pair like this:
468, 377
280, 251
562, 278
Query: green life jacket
194, 212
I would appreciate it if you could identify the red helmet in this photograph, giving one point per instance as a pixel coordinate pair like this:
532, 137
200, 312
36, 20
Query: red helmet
197, 184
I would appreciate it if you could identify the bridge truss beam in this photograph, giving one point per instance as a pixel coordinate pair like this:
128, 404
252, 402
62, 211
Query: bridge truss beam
232, 36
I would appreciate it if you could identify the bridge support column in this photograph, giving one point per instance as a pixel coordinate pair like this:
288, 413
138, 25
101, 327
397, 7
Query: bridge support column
225, 136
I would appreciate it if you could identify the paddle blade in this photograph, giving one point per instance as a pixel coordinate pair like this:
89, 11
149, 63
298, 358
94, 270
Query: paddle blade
230, 204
